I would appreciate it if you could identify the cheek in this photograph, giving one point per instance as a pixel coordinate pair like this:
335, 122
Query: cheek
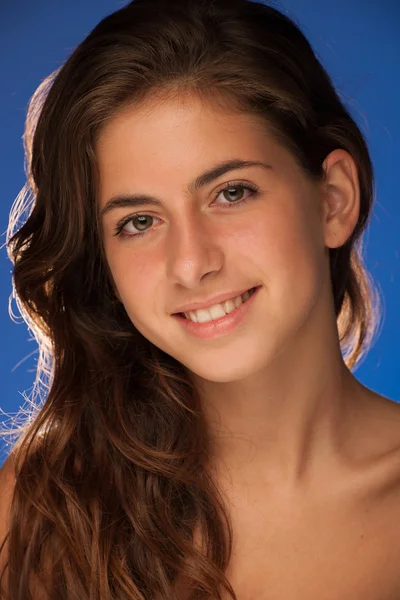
284, 247
280, 240
136, 279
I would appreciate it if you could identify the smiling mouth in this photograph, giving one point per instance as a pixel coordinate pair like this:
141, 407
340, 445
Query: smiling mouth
251, 292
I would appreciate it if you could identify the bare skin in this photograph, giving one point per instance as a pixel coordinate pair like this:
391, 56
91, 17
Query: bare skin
337, 539
307, 457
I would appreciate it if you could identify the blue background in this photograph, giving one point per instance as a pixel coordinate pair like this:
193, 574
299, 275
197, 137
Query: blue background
357, 42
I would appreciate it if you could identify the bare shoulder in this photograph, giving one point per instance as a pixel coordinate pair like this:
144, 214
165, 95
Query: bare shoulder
382, 417
386, 414
7, 469
7, 484
383, 438
386, 494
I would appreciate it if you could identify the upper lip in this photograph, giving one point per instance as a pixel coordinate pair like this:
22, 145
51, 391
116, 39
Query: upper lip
211, 301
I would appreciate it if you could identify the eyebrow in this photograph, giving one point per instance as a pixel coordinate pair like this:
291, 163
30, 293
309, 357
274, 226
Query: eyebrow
129, 200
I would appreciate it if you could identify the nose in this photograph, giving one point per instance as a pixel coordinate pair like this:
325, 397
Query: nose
194, 250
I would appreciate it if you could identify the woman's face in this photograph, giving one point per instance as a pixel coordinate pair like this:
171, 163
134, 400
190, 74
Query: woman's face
200, 242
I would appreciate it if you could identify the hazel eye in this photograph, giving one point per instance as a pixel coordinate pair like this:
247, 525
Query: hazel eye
231, 187
142, 217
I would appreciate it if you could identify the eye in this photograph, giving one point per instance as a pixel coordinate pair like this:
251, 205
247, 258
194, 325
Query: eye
233, 187
141, 218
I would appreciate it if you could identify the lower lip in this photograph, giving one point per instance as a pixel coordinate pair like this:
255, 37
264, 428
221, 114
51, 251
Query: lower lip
221, 326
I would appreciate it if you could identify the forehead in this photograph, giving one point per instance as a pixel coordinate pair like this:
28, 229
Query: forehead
178, 123
159, 146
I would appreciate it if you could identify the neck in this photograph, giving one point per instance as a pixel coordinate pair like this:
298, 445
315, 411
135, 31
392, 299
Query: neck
289, 422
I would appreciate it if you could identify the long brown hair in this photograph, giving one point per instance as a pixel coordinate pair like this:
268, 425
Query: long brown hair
111, 476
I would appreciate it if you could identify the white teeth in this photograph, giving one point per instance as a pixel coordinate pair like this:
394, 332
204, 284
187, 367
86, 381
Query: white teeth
217, 311
238, 300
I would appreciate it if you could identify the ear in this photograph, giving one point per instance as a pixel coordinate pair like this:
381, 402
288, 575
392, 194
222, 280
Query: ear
341, 197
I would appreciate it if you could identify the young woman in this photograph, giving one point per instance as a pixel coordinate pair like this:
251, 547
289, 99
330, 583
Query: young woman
191, 267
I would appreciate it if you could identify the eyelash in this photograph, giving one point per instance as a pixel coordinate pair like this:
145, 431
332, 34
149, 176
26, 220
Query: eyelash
236, 184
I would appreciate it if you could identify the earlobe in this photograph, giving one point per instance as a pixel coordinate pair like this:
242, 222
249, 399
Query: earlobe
341, 197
